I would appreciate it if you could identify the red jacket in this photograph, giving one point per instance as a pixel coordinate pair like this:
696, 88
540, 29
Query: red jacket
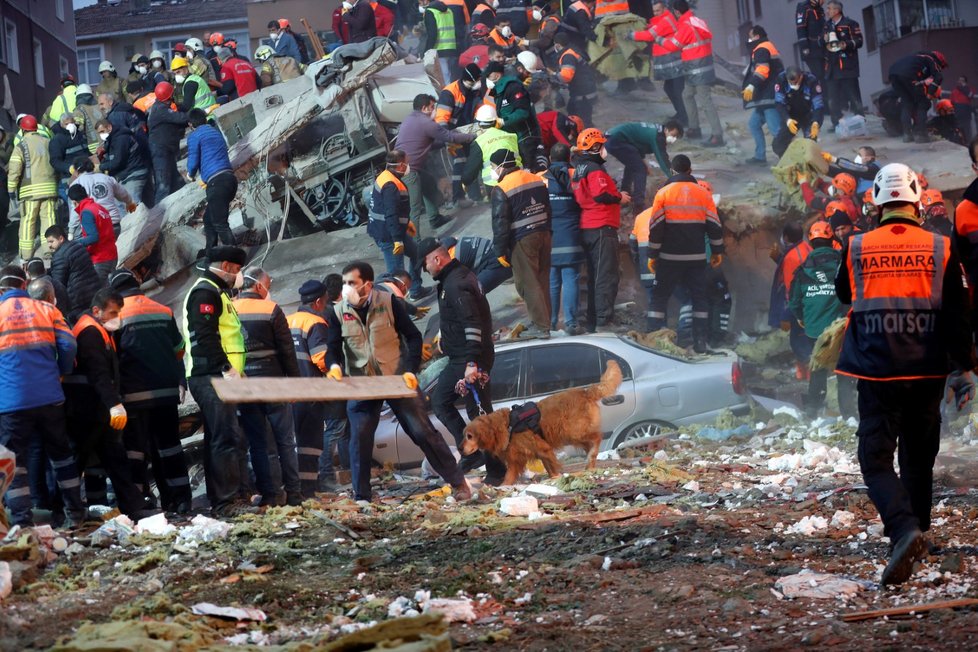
550, 133
244, 74
477, 54
340, 28
104, 250
596, 194
383, 17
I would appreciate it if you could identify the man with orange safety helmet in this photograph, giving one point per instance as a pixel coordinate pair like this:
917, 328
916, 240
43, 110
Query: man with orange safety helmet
945, 123
908, 334
934, 212
815, 306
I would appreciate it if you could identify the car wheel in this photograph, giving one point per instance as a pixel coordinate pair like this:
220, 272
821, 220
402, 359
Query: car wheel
643, 429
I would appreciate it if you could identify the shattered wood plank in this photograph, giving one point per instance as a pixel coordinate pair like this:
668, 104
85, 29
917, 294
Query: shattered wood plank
288, 390
339, 526
908, 609
625, 515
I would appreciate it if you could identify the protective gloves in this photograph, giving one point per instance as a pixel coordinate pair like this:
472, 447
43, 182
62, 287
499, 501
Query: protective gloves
748, 93
503, 261
118, 417
410, 380
960, 385
398, 248
335, 372
792, 125
716, 260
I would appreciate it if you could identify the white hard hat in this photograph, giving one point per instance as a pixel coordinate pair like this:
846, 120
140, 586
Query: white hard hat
194, 44
106, 66
529, 61
83, 89
486, 114
895, 182
155, 54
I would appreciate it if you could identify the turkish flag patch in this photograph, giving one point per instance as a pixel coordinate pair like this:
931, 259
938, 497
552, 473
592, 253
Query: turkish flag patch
348, 317
206, 309
518, 96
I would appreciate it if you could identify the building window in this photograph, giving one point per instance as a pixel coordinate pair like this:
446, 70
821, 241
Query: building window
38, 64
59, 9
88, 60
896, 18
869, 29
757, 10
166, 45
129, 51
10, 53
63, 67
743, 12
243, 41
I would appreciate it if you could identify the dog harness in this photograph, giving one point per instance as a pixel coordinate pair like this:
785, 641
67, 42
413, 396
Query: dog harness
525, 417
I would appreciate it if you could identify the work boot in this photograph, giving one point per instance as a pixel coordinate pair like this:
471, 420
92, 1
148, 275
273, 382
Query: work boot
536, 332
293, 499
908, 138
439, 221
699, 345
714, 141
462, 492
417, 294
233, 509
755, 161
923, 138
908, 549
693, 133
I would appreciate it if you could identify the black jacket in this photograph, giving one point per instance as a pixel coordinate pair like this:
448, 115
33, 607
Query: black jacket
269, 350
166, 126
64, 149
843, 64
126, 156
475, 253
60, 292
96, 361
150, 348
466, 319
917, 67
579, 27
72, 267
809, 23
361, 21
123, 115
208, 356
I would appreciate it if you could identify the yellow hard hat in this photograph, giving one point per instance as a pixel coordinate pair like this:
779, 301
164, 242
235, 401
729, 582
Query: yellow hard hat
177, 63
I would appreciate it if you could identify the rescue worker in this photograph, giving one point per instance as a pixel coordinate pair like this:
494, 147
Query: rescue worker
31, 176
94, 410
238, 77
196, 91
913, 76
842, 39
207, 156
513, 13
456, 108
109, 193
631, 142
444, 33
121, 114
842, 227
809, 25
576, 73
138, 71
600, 202
682, 221
42, 348
127, 159
359, 17
966, 227
578, 24
694, 40
269, 353
276, 69
484, 14
110, 84
393, 347
478, 50
934, 212
490, 140
157, 69
920, 308
309, 338
71, 265
215, 41
521, 235
814, 305
549, 23
64, 101
166, 129
97, 235
864, 168
556, 127
390, 223
215, 348
945, 123
515, 109
759, 90
152, 384
567, 253
667, 66
66, 144
336, 433
465, 327
384, 11
197, 64
801, 106
476, 254
87, 114
502, 36
283, 42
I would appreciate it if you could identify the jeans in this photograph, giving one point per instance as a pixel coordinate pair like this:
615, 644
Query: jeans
225, 449
138, 189
601, 249
221, 189
531, 274
166, 177
425, 198
152, 433
634, 177
492, 275
772, 117
903, 417
564, 279
410, 413
701, 94
443, 399
395, 262
271, 440
336, 431
102, 270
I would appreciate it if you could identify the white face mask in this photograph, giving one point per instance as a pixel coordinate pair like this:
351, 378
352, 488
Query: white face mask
180, 78
506, 31
671, 139
833, 191
407, 168
157, 63
72, 129
495, 174
274, 35
537, 15
141, 70
495, 4
352, 296
603, 153
191, 54
113, 324
348, 6
794, 87
234, 280
858, 160
421, 9
103, 137
490, 84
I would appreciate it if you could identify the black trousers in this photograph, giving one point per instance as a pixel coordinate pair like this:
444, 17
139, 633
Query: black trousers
601, 252
225, 450
818, 388
913, 106
843, 95
583, 108
674, 91
151, 436
784, 137
692, 276
900, 416
272, 448
221, 190
443, 403
310, 421
817, 67
166, 177
635, 176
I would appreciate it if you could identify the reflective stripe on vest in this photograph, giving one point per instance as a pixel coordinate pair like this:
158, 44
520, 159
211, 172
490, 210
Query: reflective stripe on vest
301, 324
204, 99
86, 321
445, 25
228, 326
523, 188
448, 115
492, 140
383, 179
372, 348
610, 7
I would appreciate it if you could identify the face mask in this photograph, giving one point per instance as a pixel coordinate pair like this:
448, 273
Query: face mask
421, 9
141, 70
671, 139
157, 63
506, 31
490, 84
180, 78
603, 153
347, 6
103, 137
494, 173
352, 296
752, 42
72, 129
794, 87
833, 191
495, 4
858, 160
191, 54
407, 168
274, 35
537, 15
238, 281
113, 324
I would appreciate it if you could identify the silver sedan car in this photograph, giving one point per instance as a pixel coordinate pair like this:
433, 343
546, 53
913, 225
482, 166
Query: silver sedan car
658, 391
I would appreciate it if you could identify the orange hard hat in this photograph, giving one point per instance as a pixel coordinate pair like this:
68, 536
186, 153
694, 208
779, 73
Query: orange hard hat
930, 197
845, 183
589, 138
944, 107
868, 196
163, 91
216, 39
703, 183
283, 23
833, 207
820, 229
576, 119
922, 180
27, 123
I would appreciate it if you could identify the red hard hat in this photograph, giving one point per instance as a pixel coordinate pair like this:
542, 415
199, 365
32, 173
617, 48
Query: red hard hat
28, 123
231, 44
163, 91
283, 23
941, 59
179, 47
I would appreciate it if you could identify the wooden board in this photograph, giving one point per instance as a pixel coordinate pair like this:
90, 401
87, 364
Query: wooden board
908, 609
287, 390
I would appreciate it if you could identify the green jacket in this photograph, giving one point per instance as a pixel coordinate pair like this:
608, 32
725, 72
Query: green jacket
813, 301
63, 103
514, 108
647, 138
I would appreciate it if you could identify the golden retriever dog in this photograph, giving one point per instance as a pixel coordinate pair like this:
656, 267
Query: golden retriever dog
570, 417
